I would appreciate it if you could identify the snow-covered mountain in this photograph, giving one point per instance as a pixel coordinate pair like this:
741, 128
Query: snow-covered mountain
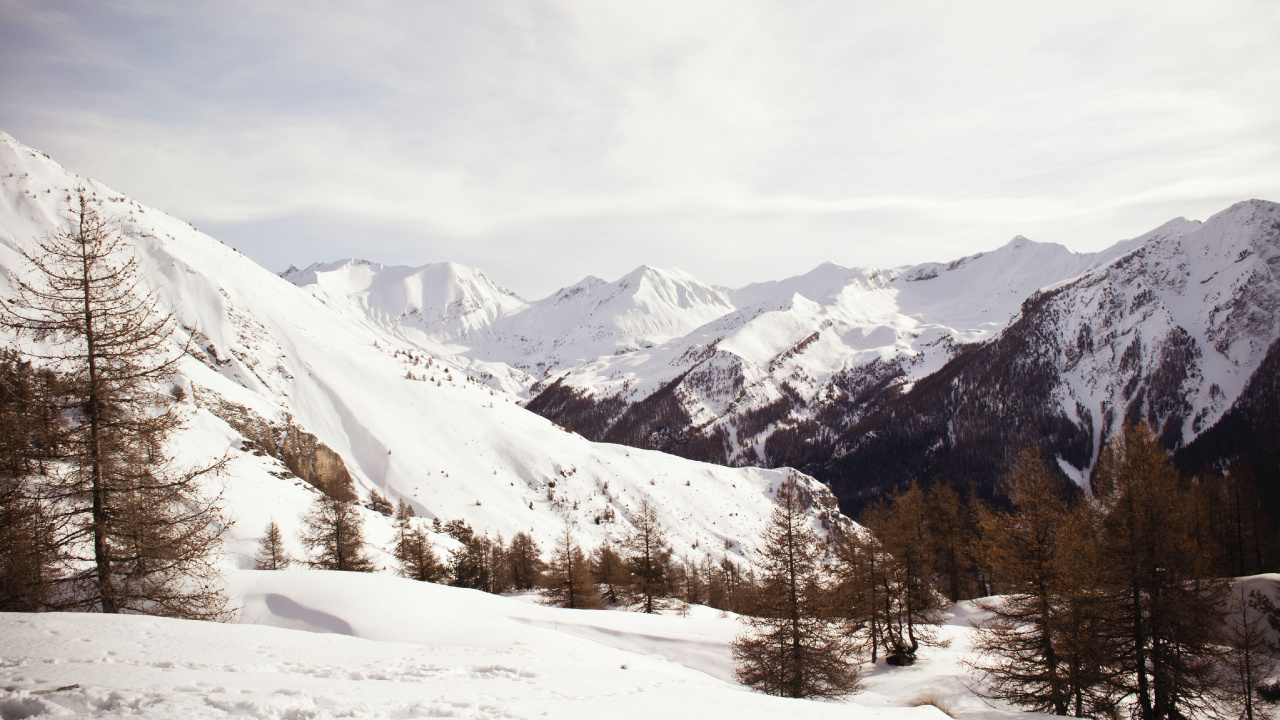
720, 353
813, 371
458, 310
1172, 332
331, 383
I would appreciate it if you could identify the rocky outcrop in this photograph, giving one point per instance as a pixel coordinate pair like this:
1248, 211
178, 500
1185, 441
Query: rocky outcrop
284, 440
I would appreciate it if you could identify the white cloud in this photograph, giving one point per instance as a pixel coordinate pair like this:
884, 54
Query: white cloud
547, 140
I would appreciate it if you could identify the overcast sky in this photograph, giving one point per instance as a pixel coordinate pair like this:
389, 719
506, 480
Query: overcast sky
738, 140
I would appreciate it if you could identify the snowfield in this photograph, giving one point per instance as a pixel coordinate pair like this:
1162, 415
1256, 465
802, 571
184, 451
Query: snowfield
321, 644
313, 644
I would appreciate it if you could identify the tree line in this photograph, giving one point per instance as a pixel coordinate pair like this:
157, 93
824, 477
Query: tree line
639, 572
1110, 604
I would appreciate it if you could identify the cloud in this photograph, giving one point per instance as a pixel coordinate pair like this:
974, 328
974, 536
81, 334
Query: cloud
737, 139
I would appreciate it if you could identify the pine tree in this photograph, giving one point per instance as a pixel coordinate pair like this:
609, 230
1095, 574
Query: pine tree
790, 647
525, 559
30, 562
912, 610
1248, 662
568, 581
1156, 569
333, 533
139, 533
1042, 644
610, 571
271, 551
648, 558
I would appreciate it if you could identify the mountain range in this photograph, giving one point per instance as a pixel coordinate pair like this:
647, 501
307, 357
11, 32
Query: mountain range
871, 378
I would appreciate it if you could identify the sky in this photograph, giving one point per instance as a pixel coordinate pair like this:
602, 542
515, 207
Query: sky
739, 140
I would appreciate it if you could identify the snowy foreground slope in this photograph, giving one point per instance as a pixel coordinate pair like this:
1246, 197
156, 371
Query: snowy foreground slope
266, 354
351, 645
317, 644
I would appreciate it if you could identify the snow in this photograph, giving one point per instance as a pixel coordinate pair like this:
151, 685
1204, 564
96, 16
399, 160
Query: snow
314, 644
321, 644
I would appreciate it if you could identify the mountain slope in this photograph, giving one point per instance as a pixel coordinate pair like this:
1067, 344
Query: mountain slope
803, 357
271, 360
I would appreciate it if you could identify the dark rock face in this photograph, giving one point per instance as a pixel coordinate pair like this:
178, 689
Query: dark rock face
300, 451
1250, 431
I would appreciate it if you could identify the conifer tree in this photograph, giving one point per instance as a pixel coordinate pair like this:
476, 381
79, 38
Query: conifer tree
568, 581
500, 575
333, 533
417, 559
29, 427
139, 532
913, 606
739, 587
29, 560
271, 552
1042, 645
469, 564
403, 518
863, 594
1235, 517
1156, 577
648, 558
690, 583
525, 559
950, 539
609, 570
715, 588
790, 647
1248, 662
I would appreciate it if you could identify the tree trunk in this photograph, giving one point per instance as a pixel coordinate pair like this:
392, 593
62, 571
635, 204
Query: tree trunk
93, 410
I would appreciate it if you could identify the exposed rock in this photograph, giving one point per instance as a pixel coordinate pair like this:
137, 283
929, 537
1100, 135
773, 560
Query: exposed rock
284, 440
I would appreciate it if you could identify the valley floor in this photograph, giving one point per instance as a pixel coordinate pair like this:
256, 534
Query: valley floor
315, 644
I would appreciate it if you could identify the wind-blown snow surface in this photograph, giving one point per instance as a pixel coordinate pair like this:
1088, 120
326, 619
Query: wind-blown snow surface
450, 445
314, 644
